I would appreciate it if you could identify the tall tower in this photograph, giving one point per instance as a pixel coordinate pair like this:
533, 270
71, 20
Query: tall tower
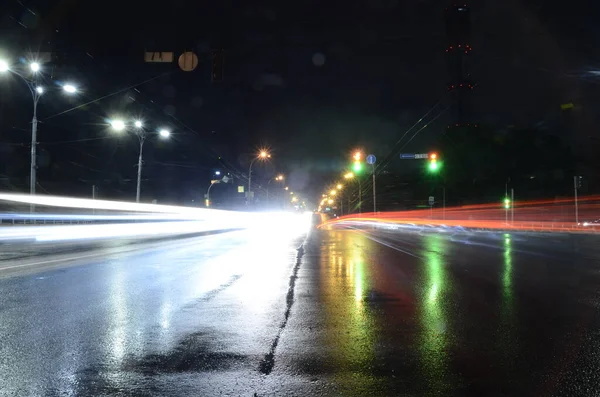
458, 33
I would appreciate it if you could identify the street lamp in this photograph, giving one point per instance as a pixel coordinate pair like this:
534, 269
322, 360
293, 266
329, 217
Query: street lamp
278, 178
36, 93
351, 175
142, 134
262, 155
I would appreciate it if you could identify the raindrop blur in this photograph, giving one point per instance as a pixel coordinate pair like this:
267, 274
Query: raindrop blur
318, 59
170, 110
197, 102
169, 91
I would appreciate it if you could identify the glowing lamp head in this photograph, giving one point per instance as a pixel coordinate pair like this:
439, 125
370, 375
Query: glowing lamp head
4, 67
164, 133
138, 124
117, 125
357, 156
70, 88
35, 67
263, 154
433, 156
339, 186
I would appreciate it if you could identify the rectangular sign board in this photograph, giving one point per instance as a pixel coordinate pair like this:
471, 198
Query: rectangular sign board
414, 156
161, 57
431, 200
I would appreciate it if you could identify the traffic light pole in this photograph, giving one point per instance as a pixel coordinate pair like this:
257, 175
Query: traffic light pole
359, 196
576, 204
374, 194
512, 206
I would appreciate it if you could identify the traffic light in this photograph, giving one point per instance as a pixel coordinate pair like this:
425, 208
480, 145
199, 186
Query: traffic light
507, 203
357, 167
434, 165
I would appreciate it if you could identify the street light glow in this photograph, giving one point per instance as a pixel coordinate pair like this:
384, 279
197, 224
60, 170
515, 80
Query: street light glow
263, 154
349, 175
217, 172
35, 67
70, 88
138, 124
339, 186
333, 192
357, 155
39, 90
117, 125
164, 133
4, 66
279, 177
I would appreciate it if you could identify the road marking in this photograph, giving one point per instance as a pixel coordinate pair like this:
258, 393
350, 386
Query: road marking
50, 261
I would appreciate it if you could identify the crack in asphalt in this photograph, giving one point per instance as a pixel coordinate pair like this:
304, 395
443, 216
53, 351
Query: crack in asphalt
267, 363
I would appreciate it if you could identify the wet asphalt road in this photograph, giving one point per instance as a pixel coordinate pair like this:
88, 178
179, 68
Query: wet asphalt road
351, 313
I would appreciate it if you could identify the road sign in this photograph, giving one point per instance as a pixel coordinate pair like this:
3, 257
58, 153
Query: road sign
414, 156
371, 159
225, 179
431, 200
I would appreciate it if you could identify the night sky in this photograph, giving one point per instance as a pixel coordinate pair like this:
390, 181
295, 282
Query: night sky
312, 80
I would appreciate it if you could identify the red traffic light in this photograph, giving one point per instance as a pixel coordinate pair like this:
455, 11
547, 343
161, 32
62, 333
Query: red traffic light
433, 156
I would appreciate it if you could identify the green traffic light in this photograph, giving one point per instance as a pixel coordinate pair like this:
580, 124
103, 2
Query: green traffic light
507, 203
357, 167
434, 166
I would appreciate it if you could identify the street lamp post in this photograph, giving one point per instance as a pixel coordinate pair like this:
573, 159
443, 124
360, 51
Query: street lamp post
262, 155
142, 134
208, 191
277, 178
351, 175
36, 93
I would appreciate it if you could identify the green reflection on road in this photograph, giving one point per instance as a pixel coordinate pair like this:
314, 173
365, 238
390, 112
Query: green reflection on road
350, 331
507, 275
507, 337
434, 341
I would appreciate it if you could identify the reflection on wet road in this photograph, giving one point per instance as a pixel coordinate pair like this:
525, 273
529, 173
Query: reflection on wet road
352, 313
439, 314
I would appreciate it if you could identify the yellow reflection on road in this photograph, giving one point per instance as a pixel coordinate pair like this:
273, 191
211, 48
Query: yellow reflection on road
350, 337
434, 340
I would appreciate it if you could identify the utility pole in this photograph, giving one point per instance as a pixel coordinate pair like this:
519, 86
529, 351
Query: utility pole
458, 33
94, 197
505, 204
575, 186
512, 206
444, 202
